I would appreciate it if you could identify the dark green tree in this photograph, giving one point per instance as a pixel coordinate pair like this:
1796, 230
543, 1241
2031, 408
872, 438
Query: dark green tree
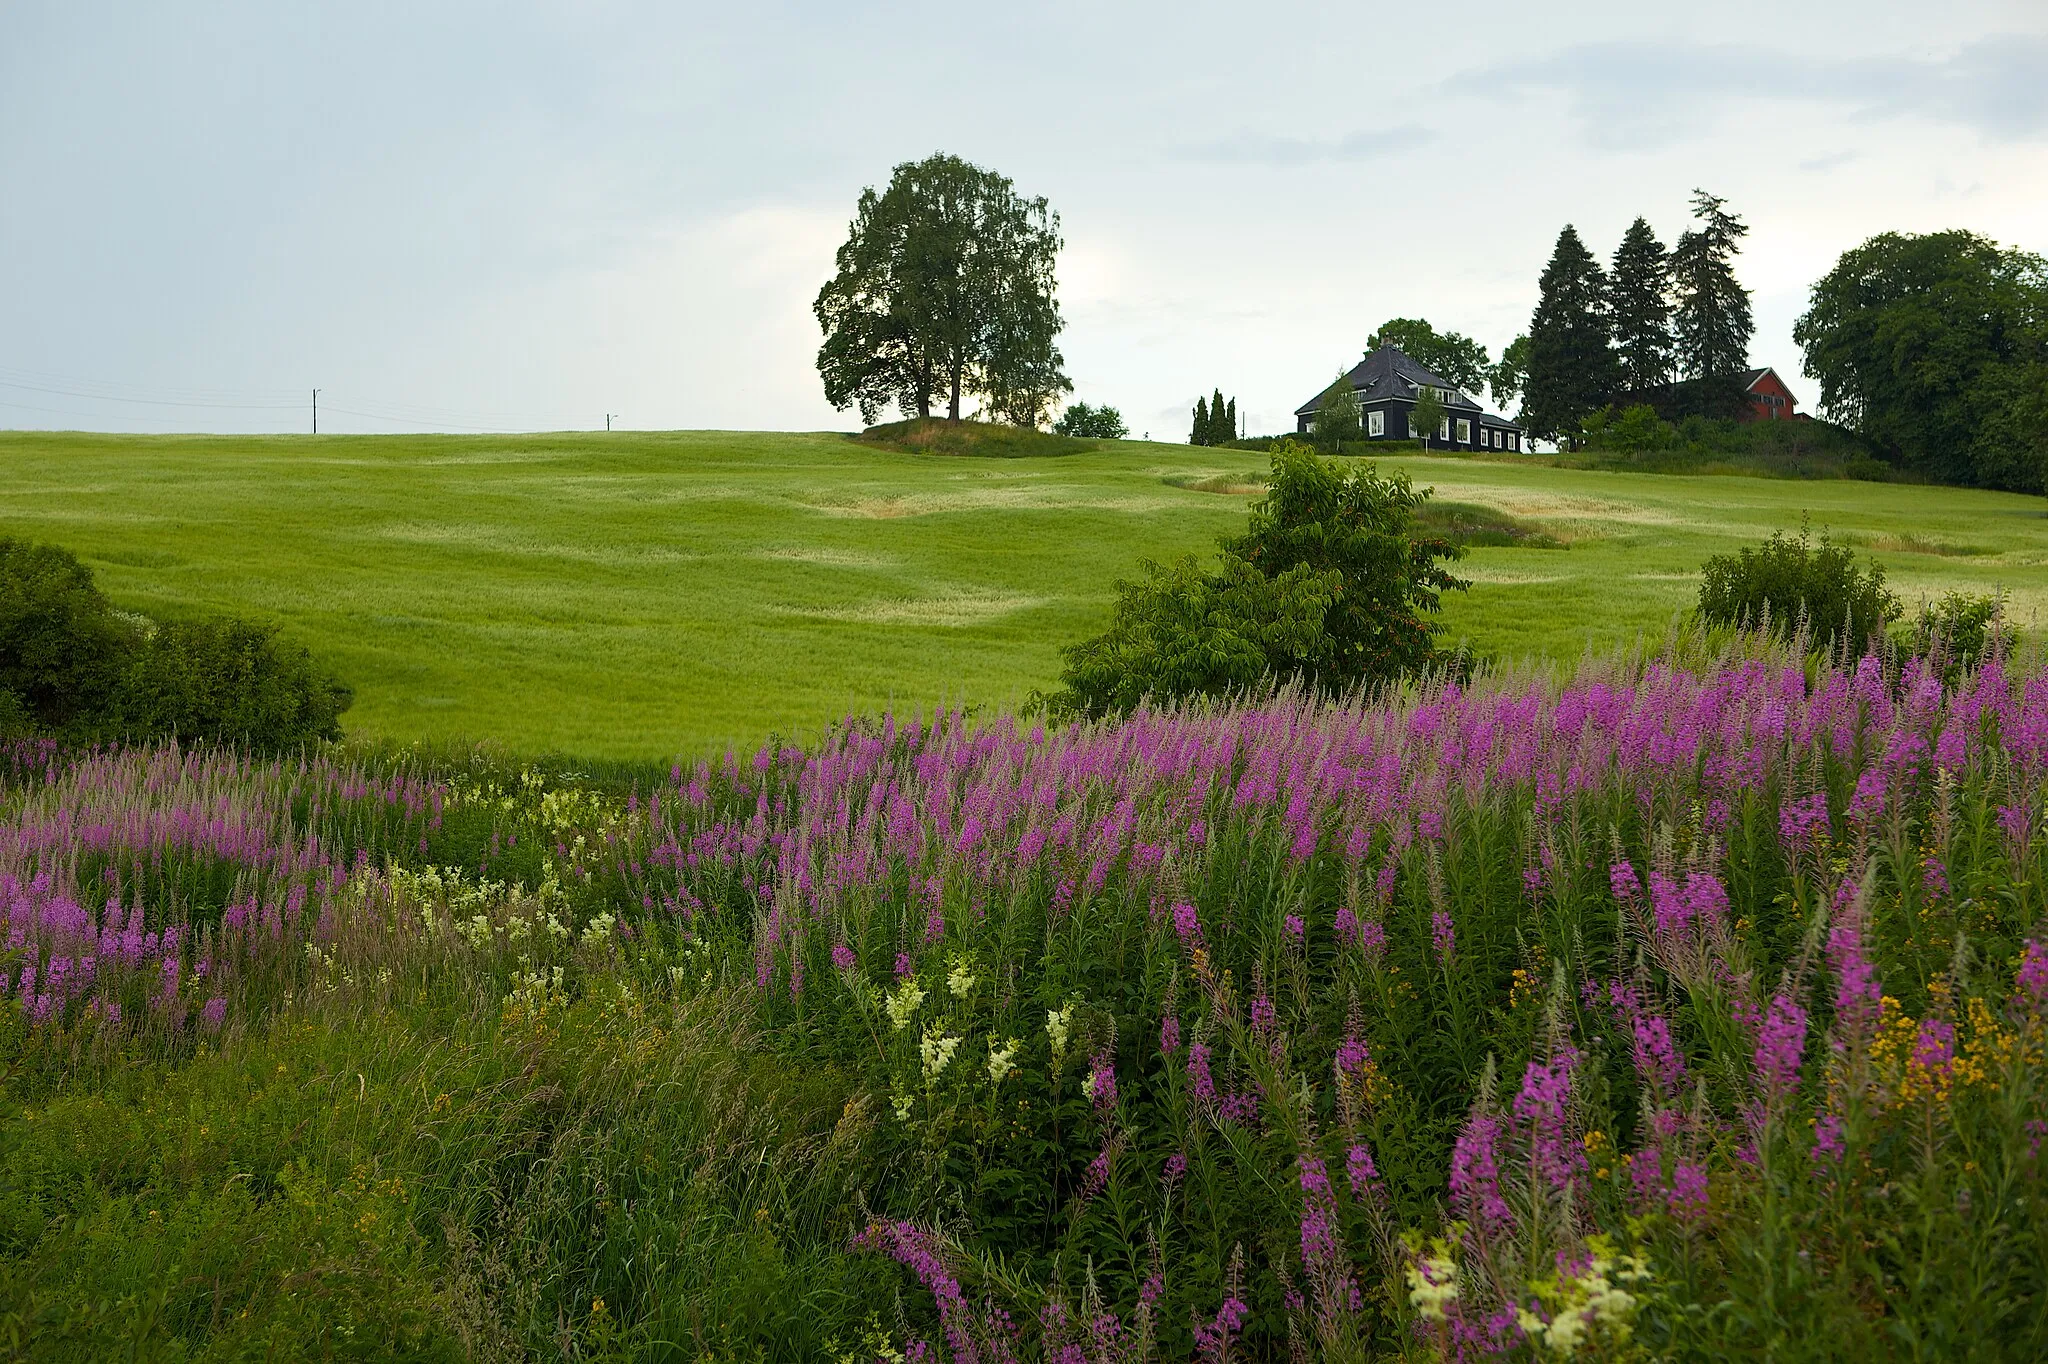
61, 644
1711, 324
1509, 378
1639, 302
1222, 421
1198, 434
1230, 432
1428, 416
945, 285
1932, 347
1091, 423
1456, 358
1572, 369
1336, 417
1330, 584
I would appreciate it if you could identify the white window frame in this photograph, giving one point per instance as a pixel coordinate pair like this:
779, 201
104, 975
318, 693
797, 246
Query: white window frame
1376, 423
1443, 430
1464, 431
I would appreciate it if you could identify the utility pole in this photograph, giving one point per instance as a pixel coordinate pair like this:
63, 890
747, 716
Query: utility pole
608, 420
316, 411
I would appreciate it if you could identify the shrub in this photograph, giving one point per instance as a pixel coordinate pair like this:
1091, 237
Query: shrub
1789, 585
1091, 423
61, 644
72, 666
226, 679
1959, 630
1329, 583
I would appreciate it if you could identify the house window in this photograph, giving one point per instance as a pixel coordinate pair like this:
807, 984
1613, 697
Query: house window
1514, 440
1443, 429
1375, 423
1464, 432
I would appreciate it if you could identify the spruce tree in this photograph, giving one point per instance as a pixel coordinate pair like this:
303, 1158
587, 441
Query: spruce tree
1200, 434
1713, 322
1230, 423
1638, 301
1572, 369
1219, 420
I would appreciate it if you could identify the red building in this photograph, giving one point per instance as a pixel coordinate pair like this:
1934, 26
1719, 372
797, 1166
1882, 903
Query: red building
1769, 399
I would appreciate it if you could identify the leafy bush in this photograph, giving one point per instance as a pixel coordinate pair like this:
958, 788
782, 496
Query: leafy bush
1960, 630
986, 440
61, 644
1791, 585
226, 679
1330, 584
1091, 423
73, 666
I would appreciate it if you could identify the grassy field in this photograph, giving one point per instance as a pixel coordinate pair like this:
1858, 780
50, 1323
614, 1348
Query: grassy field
624, 595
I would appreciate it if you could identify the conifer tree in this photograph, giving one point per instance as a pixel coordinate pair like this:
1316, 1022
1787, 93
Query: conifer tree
1572, 369
1713, 323
1230, 422
1219, 421
1639, 302
1200, 434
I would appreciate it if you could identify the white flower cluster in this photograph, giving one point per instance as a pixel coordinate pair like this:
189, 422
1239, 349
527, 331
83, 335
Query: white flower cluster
1592, 1305
598, 931
1001, 1060
938, 1053
1433, 1286
903, 1004
1056, 1025
961, 979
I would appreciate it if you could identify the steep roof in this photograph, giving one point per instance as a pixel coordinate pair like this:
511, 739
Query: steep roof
1392, 373
1752, 378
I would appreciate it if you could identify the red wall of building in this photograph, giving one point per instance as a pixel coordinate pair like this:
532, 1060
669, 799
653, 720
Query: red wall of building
1770, 400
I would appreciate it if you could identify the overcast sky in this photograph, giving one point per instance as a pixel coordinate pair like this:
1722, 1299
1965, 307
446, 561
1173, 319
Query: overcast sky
525, 216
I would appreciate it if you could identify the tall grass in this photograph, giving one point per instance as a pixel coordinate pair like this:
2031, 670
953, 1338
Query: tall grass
1689, 1007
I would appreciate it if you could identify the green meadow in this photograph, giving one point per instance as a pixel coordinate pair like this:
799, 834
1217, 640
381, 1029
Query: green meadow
644, 595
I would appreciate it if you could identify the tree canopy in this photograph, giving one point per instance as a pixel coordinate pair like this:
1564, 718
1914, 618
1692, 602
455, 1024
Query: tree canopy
1337, 417
1215, 421
1456, 357
1712, 324
1935, 347
1509, 377
945, 285
1329, 584
1638, 301
1091, 423
1428, 416
1572, 369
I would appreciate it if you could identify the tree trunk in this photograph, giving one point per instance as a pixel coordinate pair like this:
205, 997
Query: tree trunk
953, 407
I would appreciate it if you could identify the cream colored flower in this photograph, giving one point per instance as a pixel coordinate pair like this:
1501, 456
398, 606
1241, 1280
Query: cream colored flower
903, 1004
1001, 1059
938, 1054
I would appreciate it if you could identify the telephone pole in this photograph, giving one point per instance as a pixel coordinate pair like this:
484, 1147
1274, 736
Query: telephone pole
608, 420
316, 411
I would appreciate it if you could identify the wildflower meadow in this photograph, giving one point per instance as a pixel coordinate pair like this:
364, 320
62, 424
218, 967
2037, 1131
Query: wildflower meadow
1691, 1005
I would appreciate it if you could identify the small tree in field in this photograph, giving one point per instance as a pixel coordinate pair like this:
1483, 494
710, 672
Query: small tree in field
1337, 418
1428, 416
1091, 423
1331, 583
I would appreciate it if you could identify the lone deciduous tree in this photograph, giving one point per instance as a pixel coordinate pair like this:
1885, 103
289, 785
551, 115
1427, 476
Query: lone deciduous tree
1454, 356
945, 285
1337, 417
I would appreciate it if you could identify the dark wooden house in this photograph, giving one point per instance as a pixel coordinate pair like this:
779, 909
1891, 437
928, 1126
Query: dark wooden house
1388, 382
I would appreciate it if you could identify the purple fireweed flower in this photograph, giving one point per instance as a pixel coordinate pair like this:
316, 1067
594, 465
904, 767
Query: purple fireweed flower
1098, 1174
1202, 1084
1359, 1170
1187, 924
1780, 1047
916, 1250
1475, 1175
1102, 1081
213, 1014
902, 965
1934, 878
1443, 936
1827, 1139
1687, 1198
1169, 1034
1858, 996
1263, 1017
1176, 1169
1372, 941
2030, 981
1621, 879
1212, 1340
1296, 929
1352, 1054
1346, 926
842, 956
1934, 1048
1541, 1112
